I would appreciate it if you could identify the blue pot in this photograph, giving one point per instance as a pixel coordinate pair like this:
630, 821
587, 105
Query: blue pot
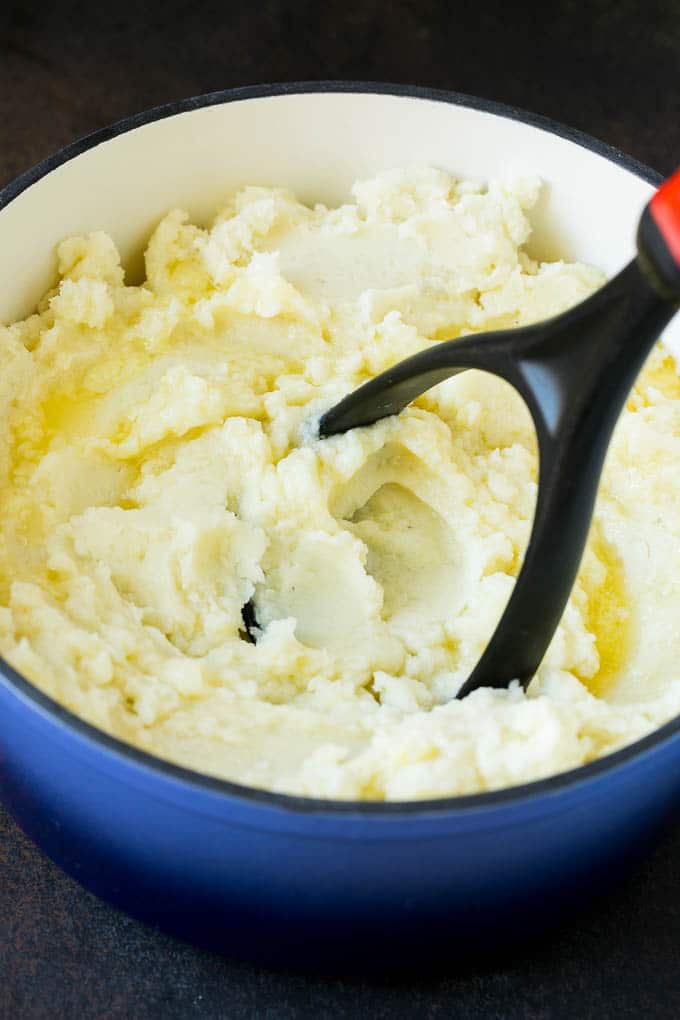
288, 879
297, 880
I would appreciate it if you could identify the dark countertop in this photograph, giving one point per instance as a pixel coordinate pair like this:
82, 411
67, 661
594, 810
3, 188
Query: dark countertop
67, 68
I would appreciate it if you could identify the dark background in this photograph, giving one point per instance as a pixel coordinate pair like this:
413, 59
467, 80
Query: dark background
611, 69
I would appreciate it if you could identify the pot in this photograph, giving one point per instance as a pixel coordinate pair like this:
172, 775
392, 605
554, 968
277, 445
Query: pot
288, 879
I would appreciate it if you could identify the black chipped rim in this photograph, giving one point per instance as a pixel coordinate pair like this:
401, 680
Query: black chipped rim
293, 804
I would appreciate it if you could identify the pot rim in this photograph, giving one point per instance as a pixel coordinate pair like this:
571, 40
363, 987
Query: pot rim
72, 724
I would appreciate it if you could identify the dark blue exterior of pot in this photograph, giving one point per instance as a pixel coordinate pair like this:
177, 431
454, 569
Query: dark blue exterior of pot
289, 880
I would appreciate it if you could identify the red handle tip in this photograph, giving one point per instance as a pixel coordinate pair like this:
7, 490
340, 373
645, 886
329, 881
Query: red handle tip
665, 208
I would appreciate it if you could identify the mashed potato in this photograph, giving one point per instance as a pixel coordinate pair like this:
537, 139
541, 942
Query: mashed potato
158, 473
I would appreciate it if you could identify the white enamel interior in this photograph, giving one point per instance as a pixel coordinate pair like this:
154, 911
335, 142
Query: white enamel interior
317, 144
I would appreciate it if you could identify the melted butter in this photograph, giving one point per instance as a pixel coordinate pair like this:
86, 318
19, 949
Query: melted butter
70, 412
660, 373
607, 615
65, 415
663, 376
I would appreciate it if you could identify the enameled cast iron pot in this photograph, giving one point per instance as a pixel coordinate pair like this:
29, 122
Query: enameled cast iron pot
287, 879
